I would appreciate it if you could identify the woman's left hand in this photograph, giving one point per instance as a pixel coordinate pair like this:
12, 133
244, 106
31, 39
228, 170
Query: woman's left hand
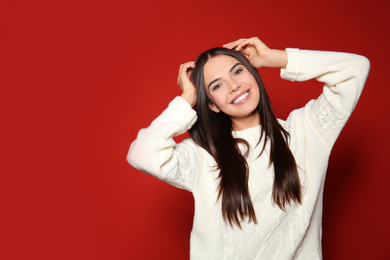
258, 53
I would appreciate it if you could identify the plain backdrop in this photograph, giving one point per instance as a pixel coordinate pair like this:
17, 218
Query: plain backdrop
80, 78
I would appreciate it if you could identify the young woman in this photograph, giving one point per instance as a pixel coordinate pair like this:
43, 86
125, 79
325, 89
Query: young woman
257, 181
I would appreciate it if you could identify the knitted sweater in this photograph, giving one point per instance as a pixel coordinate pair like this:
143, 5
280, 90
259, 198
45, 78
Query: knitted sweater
291, 234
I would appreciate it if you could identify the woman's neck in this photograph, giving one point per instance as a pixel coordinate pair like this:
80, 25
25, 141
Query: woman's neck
239, 124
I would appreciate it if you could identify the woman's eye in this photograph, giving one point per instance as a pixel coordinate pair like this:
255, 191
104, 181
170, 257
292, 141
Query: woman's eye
216, 87
238, 71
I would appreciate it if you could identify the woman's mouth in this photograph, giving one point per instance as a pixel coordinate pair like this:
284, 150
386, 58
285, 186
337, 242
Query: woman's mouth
241, 98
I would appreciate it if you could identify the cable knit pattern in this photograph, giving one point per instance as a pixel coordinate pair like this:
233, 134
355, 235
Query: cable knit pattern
291, 234
183, 177
231, 240
326, 119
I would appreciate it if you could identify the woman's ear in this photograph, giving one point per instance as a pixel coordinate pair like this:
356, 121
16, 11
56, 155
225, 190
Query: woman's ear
214, 108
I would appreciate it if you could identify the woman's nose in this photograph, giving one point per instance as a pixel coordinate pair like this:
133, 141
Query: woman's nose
234, 86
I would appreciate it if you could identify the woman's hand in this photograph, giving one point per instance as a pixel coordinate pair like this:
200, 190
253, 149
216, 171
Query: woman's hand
187, 87
258, 53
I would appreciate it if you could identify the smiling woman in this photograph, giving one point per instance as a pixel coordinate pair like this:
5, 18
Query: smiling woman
235, 78
257, 181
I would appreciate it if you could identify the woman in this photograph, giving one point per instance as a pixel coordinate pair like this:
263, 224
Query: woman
257, 181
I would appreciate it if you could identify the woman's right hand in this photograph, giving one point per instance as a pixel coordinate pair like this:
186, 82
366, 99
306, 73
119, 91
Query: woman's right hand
187, 87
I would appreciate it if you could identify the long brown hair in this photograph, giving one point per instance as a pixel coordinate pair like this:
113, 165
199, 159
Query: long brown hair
213, 132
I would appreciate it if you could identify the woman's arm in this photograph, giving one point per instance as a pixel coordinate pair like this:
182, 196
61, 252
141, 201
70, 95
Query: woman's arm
156, 153
343, 75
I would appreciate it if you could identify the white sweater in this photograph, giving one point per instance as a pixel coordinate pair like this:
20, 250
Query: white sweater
291, 234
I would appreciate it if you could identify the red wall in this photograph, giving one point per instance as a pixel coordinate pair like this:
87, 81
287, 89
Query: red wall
80, 78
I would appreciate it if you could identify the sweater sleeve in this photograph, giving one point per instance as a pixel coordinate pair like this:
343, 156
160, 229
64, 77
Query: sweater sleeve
156, 153
343, 75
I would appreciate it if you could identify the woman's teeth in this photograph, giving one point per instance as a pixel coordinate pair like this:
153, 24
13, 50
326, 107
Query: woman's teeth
240, 98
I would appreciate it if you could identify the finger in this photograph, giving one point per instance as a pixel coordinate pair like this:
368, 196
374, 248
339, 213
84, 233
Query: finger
234, 44
185, 66
189, 72
190, 64
242, 45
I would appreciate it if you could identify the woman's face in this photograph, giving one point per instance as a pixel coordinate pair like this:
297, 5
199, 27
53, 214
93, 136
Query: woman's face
233, 90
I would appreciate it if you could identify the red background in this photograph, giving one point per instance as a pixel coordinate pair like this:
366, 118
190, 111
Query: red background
80, 78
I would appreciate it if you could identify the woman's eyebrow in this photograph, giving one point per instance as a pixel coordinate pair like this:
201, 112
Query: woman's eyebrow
231, 69
235, 65
212, 82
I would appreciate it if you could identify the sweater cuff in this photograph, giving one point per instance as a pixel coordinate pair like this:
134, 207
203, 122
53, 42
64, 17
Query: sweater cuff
293, 67
184, 110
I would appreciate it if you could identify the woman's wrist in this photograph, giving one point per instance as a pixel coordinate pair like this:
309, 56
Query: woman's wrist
190, 98
276, 59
